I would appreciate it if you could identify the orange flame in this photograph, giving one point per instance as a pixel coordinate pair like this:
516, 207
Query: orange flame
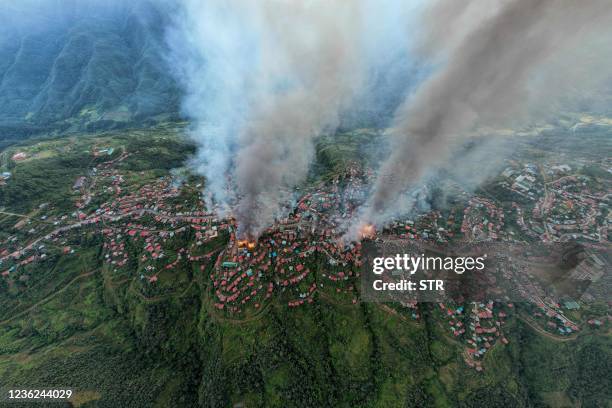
245, 243
367, 231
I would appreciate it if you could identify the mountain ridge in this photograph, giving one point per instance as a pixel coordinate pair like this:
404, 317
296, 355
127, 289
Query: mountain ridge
84, 70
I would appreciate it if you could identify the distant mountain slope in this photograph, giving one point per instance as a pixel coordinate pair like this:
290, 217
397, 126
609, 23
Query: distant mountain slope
82, 65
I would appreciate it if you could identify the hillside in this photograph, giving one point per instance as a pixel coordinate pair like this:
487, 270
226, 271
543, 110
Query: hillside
83, 66
116, 296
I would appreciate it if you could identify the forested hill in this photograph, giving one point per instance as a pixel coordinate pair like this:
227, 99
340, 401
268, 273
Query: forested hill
83, 65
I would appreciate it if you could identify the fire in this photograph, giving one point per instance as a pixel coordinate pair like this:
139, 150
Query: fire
367, 231
245, 243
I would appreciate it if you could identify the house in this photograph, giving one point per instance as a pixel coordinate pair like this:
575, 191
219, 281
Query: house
19, 156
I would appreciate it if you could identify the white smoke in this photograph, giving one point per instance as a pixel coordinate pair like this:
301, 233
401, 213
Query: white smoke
264, 78
489, 61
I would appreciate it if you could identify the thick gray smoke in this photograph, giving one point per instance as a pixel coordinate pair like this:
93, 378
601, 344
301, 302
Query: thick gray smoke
488, 55
311, 44
264, 78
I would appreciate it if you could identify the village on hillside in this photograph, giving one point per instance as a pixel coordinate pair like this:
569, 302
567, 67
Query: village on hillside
151, 226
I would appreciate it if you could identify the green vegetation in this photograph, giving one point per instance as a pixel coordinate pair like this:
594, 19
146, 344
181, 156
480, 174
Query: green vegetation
89, 69
52, 166
119, 341
336, 152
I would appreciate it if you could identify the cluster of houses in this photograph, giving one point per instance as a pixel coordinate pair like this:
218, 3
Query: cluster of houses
482, 220
574, 209
151, 223
248, 273
477, 326
485, 328
548, 312
144, 216
523, 180
162, 228
566, 206
431, 226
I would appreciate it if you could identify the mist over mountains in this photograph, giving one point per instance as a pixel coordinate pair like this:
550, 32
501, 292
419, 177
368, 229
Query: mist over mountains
85, 65
82, 65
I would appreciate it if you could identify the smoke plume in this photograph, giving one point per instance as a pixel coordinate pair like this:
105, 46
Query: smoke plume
264, 78
487, 55
309, 45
